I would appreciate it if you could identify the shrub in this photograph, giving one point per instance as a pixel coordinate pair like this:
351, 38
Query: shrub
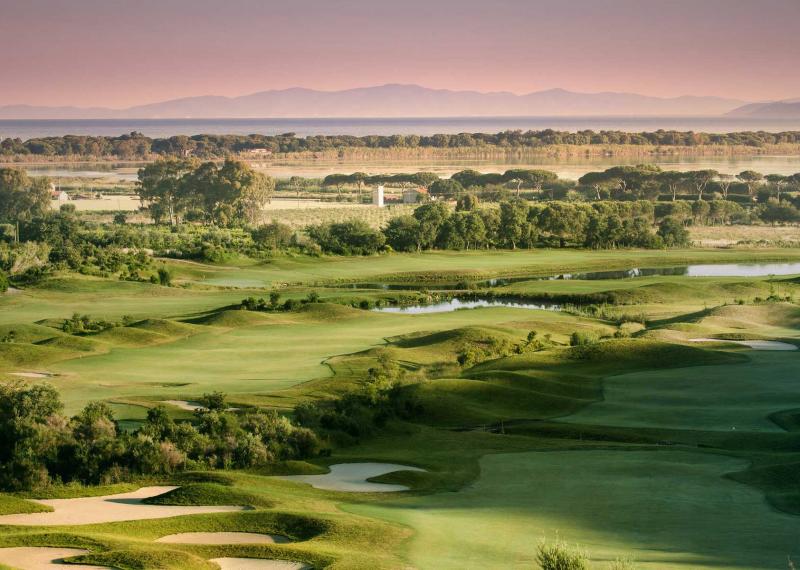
559, 556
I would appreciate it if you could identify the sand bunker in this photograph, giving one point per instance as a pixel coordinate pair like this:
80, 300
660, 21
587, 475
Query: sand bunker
32, 374
190, 406
258, 564
110, 508
42, 558
754, 344
352, 477
184, 405
223, 538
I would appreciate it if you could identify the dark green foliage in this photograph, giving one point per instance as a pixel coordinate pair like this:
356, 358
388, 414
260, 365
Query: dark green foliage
138, 146
207, 494
354, 237
38, 445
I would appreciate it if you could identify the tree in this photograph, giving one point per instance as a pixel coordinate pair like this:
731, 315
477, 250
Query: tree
403, 233
446, 188
160, 183
672, 180
779, 181
467, 203
701, 179
673, 232
751, 178
337, 180
533, 178
431, 217
513, 222
724, 182
424, 179
22, 198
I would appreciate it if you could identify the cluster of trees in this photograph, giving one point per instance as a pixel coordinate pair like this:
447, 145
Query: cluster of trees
137, 146
40, 446
635, 182
232, 193
360, 412
516, 223
646, 181
22, 197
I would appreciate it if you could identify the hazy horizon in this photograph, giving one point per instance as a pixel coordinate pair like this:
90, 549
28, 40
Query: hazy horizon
115, 54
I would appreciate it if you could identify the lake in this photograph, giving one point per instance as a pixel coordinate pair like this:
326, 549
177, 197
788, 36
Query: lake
26, 129
570, 168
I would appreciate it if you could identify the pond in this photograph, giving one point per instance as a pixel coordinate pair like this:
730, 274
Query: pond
698, 270
458, 304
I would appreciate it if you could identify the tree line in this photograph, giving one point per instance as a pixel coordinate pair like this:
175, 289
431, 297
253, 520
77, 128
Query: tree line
515, 224
138, 146
41, 446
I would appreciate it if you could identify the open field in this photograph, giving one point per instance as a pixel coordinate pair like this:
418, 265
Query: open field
675, 453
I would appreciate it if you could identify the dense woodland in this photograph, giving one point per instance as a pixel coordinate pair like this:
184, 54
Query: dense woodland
213, 212
137, 146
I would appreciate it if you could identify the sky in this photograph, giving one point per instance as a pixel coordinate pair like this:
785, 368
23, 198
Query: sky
118, 53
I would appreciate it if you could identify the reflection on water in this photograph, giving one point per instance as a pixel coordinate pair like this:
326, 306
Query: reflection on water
570, 168
458, 304
697, 270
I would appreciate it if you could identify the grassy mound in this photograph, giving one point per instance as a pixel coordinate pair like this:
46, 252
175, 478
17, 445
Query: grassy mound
780, 483
463, 402
130, 337
30, 355
141, 559
231, 318
165, 327
74, 343
10, 505
26, 333
215, 477
205, 494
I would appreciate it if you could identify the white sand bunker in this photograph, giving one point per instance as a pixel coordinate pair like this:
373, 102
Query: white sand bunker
223, 538
184, 405
258, 564
42, 558
190, 406
110, 508
32, 374
754, 344
352, 477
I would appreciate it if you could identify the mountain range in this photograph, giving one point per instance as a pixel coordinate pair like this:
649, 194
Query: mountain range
410, 101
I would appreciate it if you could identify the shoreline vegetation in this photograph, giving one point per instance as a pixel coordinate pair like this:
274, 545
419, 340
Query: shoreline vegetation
266, 148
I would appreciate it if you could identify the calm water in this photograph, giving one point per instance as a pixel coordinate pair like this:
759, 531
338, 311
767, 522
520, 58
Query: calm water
570, 168
26, 129
699, 270
458, 304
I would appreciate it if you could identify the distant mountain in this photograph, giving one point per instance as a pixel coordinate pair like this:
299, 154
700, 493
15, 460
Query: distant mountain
788, 109
394, 101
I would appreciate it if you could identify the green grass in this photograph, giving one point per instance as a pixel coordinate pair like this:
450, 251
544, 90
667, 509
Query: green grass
625, 447
648, 502
208, 494
10, 505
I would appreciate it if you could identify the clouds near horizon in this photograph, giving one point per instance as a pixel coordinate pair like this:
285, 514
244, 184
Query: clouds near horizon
118, 53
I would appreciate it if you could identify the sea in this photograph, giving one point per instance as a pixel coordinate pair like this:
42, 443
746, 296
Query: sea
160, 128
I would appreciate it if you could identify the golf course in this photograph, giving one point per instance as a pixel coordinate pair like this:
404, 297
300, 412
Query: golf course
644, 421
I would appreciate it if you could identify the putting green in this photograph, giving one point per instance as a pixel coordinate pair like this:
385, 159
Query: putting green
669, 509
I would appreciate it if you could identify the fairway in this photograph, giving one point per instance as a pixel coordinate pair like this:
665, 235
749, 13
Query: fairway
275, 353
723, 398
667, 509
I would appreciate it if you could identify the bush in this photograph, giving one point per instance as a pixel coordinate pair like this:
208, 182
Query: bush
559, 556
3, 282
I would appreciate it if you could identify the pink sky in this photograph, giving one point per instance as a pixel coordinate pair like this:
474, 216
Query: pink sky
117, 53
